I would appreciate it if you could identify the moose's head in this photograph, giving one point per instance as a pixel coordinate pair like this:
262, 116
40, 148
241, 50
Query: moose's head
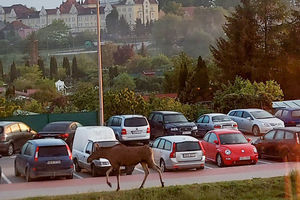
97, 153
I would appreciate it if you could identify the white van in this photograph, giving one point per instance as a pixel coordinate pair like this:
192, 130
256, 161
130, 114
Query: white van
83, 143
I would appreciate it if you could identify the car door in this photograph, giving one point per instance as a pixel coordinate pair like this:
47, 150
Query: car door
116, 126
27, 155
20, 159
156, 150
17, 136
87, 152
278, 142
247, 122
290, 140
212, 147
265, 145
157, 124
26, 134
205, 123
160, 149
205, 141
200, 125
238, 119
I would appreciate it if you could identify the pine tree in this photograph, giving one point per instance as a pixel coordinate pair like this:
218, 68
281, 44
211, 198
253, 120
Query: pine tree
143, 50
41, 67
27, 64
74, 68
13, 72
182, 79
1, 70
53, 67
66, 66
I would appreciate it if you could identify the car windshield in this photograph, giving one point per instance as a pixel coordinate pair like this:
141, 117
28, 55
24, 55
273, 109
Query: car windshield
55, 127
221, 118
232, 138
261, 114
53, 151
107, 143
135, 122
175, 118
188, 146
296, 114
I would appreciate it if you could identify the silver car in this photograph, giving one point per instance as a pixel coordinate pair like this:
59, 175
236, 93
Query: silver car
213, 121
178, 152
256, 121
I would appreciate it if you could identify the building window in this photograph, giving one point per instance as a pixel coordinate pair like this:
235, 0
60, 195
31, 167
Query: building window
73, 19
124, 9
146, 10
129, 9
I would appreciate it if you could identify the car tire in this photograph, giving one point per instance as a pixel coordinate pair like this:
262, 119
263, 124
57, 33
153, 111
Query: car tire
162, 165
286, 156
93, 170
77, 167
17, 173
27, 175
219, 160
255, 130
69, 176
10, 149
200, 168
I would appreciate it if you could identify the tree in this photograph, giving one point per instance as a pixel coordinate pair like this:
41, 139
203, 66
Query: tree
85, 97
66, 66
123, 53
108, 50
143, 51
13, 72
173, 8
112, 21
123, 81
75, 71
124, 28
112, 73
41, 66
27, 64
8, 108
139, 28
53, 67
1, 70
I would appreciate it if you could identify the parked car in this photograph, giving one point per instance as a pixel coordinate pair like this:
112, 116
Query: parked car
62, 129
163, 123
13, 135
283, 143
290, 116
255, 121
229, 147
0, 171
130, 128
178, 152
213, 121
83, 146
44, 158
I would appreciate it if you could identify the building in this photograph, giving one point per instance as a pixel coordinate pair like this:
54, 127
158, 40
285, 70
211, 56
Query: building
81, 15
17, 27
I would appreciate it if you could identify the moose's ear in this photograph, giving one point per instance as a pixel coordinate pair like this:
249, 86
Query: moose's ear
96, 146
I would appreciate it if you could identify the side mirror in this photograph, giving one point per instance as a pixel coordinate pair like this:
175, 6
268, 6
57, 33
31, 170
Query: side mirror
249, 118
216, 142
261, 137
249, 139
151, 144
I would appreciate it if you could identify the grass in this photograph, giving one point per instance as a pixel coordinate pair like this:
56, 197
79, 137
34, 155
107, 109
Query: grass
264, 189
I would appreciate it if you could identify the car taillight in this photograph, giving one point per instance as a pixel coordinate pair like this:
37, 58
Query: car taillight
66, 135
217, 126
69, 152
292, 122
201, 146
37, 135
148, 130
123, 132
173, 153
235, 125
36, 154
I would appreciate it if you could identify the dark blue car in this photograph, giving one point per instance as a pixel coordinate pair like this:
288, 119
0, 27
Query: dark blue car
44, 158
290, 116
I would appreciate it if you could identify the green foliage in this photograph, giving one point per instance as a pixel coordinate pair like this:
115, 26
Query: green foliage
172, 7
85, 97
46, 91
112, 21
29, 76
123, 27
244, 94
123, 53
66, 66
123, 81
41, 66
13, 72
107, 52
7, 108
53, 67
1, 70
75, 71
33, 106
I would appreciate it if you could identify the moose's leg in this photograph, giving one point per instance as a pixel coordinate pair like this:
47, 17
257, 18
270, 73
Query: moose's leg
118, 177
156, 168
107, 174
146, 170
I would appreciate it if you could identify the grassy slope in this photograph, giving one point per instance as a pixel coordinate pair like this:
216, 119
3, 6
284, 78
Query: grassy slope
272, 188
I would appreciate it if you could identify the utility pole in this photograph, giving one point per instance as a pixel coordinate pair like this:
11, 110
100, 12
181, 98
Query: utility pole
101, 113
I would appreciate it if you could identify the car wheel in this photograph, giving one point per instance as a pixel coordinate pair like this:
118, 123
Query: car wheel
163, 166
220, 162
10, 149
17, 173
255, 130
93, 170
77, 167
27, 175
199, 168
286, 156
69, 177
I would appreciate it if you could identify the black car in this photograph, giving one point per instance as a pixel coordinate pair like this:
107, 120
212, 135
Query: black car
64, 130
170, 123
283, 143
13, 135
44, 158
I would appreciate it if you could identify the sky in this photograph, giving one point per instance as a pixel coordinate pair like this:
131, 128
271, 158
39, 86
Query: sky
33, 3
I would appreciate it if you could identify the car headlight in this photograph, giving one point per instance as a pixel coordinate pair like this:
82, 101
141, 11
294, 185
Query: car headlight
194, 128
227, 152
266, 124
254, 149
173, 129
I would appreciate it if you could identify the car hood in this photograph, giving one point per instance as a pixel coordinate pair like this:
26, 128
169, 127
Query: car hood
180, 124
237, 148
271, 120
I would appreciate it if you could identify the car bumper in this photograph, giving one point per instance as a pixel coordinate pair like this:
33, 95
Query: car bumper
236, 160
54, 173
265, 129
136, 138
192, 133
173, 164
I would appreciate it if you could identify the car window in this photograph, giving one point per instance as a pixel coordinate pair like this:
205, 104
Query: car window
29, 151
279, 135
89, 147
232, 113
155, 143
200, 119
53, 151
261, 114
109, 121
205, 119
239, 113
205, 138
232, 138
158, 118
168, 145
7, 130
116, 121
161, 144
150, 116
188, 146
246, 115
278, 113
269, 135
24, 127
174, 118
61, 127
212, 138
135, 122
221, 118
289, 135
24, 148
296, 114
285, 113
15, 128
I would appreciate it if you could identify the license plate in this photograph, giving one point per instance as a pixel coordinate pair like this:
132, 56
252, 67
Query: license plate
226, 126
136, 132
186, 132
189, 155
53, 162
245, 158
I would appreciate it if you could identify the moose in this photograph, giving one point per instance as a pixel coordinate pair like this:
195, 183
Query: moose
122, 155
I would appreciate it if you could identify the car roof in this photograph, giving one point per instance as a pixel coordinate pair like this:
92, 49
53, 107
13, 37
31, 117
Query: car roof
48, 142
291, 109
179, 138
214, 114
128, 116
61, 122
167, 112
248, 109
293, 129
225, 131
5, 123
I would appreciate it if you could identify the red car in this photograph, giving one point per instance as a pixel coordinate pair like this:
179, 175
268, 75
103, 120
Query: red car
229, 147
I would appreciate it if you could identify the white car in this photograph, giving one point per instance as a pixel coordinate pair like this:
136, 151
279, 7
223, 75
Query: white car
256, 121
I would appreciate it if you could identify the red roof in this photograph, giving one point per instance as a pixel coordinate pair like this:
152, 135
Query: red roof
162, 96
19, 9
87, 2
19, 25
